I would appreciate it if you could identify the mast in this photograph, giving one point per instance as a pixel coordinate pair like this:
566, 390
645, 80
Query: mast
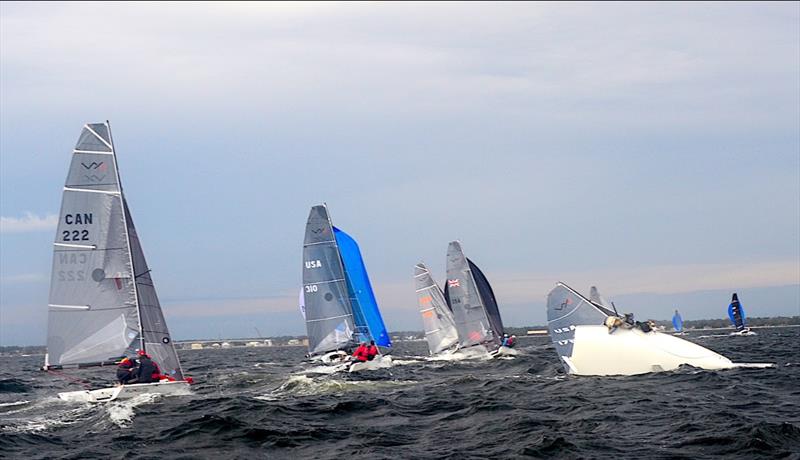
127, 235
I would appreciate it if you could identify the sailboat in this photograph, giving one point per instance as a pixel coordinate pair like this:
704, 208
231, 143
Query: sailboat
736, 315
470, 297
103, 304
437, 319
677, 323
340, 306
591, 339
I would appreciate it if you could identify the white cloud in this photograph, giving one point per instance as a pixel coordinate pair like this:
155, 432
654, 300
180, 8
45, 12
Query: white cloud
28, 223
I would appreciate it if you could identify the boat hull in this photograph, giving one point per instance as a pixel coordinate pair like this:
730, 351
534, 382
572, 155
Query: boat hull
380, 362
631, 352
505, 351
127, 391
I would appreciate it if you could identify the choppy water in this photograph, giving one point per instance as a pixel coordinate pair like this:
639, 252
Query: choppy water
262, 402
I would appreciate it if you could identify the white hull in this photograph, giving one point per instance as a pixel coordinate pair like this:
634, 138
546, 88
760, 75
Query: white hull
631, 352
380, 362
744, 332
334, 357
127, 391
504, 351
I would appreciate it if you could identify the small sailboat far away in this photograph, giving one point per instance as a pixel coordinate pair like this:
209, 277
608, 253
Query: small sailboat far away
591, 339
340, 306
736, 315
437, 319
677, 323
471, 299
103, 304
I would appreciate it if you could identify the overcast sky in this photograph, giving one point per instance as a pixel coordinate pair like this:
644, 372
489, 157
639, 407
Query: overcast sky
651, 149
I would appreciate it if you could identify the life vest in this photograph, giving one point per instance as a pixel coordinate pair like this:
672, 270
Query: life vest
361, 353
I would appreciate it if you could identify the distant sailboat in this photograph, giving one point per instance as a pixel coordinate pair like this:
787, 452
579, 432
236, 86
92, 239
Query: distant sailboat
677, 323
103, 304
737, 317
339, 304
591, 339
471, 299
437, 319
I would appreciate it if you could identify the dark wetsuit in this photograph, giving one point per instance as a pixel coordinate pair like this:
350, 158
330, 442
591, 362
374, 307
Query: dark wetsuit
148, 370
126, 371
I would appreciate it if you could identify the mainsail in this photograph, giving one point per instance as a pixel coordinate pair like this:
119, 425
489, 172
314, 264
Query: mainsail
736, 313
102, 301
368, 318
566, 309
595, 297
677, 322
437, 319
461, 293
329, 314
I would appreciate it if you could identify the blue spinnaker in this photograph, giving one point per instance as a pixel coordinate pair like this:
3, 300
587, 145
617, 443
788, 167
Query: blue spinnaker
677, 322
736, 313
365, 307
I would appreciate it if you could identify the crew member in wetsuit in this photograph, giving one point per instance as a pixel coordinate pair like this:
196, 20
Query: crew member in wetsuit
372, 351
361, 352
504, 342
148, 369
511, 341
126, 370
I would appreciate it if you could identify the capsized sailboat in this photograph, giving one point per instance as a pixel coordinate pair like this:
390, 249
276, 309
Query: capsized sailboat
677, 323
591, 339
340, 306
736, 315
103, 304
471, 299
437, 319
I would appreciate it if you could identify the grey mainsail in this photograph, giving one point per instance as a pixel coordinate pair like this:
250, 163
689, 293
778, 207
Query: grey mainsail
438, 321
594, 296
157, 341
329, 315
472, 322
567, 309
95, 314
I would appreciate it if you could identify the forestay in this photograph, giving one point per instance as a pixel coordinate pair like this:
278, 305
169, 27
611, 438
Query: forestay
329, 315
461, 293
369, 322
566, 309
100, 280
438, 321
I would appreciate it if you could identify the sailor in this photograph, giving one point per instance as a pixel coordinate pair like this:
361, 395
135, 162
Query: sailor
126, 370
361, 352
504, 343
148, 369
511, 341
372, 351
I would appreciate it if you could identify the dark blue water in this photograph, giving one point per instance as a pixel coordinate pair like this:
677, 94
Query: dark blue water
261, 402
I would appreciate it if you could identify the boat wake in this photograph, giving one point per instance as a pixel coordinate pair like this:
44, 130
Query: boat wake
121, 413
302, 385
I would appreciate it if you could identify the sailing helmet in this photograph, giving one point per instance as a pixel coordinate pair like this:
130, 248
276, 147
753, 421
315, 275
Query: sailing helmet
505, 335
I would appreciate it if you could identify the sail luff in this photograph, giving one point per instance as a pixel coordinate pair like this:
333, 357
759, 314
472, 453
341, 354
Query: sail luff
127, 235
